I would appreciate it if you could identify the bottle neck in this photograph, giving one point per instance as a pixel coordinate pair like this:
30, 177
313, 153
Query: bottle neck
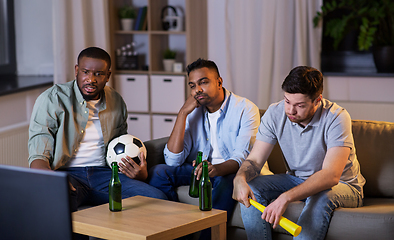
205, 173
115, 170
199, 158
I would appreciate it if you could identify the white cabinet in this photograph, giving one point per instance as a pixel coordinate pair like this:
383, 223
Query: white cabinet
167, 93
134, 90
139, 125
162, 125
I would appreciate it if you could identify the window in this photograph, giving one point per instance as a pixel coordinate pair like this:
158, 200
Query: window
7, 38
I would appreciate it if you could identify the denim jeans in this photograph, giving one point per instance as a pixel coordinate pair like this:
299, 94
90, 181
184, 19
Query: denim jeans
316, 215
91, 184
168, 178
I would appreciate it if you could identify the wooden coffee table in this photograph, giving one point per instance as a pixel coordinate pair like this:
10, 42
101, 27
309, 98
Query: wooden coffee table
148, 218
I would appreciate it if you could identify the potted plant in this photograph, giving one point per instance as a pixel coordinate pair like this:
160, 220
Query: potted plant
168, 59
372, 20
126, 15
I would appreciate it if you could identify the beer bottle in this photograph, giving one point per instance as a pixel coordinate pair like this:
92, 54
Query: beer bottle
115, 190
193, 189
205, 199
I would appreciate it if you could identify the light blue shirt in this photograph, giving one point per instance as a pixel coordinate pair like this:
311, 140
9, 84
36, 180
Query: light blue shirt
305, 148
236, 132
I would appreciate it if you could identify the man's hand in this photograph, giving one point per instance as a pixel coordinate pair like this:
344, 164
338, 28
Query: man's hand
131, 169
227, 167
242, 191
175, 142
275, 210
190, 104
212, 171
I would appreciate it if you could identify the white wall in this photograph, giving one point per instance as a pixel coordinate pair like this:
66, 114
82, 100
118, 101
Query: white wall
16, 108
368, 98
33, 32
364, 97
216, 36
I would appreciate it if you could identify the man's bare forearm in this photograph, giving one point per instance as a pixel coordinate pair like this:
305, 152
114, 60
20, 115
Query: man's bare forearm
40, 164
175, 142
249, 170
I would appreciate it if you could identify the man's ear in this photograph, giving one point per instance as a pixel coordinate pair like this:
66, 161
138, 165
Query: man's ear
76, 70
108, 75
220, 82
318, 99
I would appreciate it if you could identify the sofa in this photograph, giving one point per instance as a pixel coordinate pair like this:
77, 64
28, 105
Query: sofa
374, 141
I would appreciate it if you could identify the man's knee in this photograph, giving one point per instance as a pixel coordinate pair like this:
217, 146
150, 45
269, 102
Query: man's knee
160, 170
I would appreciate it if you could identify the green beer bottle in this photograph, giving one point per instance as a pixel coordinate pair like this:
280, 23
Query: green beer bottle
115, 190
193, 189
205, 199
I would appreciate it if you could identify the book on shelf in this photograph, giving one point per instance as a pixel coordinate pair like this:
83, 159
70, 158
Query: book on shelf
143, 18
140, 18
145, 25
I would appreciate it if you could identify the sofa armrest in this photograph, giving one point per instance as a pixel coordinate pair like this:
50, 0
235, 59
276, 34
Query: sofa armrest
154, 149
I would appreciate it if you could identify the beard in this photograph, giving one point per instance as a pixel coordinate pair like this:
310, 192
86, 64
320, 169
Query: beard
203, 99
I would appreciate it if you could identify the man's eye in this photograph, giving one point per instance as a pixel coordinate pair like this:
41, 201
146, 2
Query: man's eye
84, 71
98, 74
192, 86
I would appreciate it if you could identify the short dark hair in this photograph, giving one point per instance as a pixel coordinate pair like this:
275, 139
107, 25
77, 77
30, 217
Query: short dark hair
304, 80
201, 63
95, 52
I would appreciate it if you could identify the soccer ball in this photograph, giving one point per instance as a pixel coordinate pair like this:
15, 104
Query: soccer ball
125, 145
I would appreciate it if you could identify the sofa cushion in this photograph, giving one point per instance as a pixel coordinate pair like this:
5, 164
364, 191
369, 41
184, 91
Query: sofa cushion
373, 221
375, 152
154, 151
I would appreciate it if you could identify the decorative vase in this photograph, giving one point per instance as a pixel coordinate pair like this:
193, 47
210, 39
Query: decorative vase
168, 63
384, 58
127, 24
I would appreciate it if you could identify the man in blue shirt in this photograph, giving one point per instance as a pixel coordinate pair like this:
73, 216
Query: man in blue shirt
216, 122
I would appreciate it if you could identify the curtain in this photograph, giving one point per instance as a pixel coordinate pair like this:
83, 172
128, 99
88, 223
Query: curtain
77, 24
265, 39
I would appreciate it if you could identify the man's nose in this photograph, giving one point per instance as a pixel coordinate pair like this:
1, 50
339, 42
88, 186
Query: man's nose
91, 77
292, 110
198, 89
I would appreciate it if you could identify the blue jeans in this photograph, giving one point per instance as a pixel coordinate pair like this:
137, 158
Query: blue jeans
91, 184
316, 215
168, 178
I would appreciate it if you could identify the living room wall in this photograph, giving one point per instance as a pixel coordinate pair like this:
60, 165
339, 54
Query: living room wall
364, 97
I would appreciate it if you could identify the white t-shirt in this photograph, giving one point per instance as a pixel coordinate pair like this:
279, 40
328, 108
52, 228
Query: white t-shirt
91, 151
213, 119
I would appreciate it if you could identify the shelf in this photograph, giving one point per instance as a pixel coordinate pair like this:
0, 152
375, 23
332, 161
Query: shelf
131, 72
14, 84
121, 32
167, 73
190, 44
168, 32
149, 72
